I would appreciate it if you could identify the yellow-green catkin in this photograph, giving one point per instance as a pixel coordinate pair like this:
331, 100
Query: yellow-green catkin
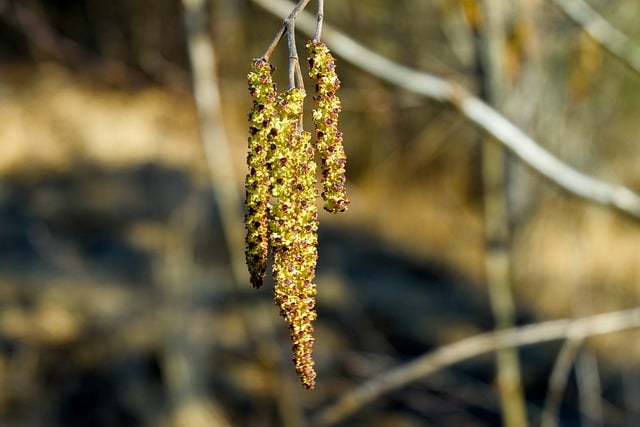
257, 182
327, 108
293, 227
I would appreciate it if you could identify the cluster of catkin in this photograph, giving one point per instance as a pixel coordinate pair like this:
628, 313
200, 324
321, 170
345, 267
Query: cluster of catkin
281, 214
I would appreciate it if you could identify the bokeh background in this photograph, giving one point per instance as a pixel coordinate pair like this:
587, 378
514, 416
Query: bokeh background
118, 303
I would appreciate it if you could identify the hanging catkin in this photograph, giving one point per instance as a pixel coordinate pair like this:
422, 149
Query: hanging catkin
327, 108
281, 191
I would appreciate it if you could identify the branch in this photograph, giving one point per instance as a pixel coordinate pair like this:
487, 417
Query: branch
288, 18
319, 20
489, 41
558, 380
602, 32
476, 111
472, 347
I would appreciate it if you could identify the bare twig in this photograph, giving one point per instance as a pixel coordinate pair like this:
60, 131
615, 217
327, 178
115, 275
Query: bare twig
589, 389
295, 74
476, 111
319, 20
600, 30
291, 17
469, 348
183, 358
218, 155
558, 380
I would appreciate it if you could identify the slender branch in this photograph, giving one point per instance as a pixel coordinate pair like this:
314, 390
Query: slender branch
275, 42
589, 389
295, 72
476, 111
600, 30
217, 152
558, 380
290, 18
293, 52
469, 348
319, 20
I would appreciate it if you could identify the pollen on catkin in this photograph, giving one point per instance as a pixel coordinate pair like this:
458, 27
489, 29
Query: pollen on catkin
293, 227
281, 191
257, 182
327, 108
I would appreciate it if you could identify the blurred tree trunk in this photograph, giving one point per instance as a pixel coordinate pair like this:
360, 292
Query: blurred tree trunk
184, 357
488, 20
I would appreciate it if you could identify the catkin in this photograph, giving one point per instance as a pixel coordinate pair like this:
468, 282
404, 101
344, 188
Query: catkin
257, 182
293, 229
281, 191
327, 108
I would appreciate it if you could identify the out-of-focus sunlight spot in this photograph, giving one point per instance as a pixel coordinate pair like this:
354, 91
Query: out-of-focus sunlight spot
251, 377
48, 324
55, 120
57, 324
150, 236
198, 413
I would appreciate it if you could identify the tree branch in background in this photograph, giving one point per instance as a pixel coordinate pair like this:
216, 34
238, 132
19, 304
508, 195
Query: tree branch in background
488, 22
558, 380
207, 96
469, 348
600, 30
589, 388
476, 111
183, 357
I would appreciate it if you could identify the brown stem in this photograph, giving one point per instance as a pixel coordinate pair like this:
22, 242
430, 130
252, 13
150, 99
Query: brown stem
292, 16
319, 20
293, 52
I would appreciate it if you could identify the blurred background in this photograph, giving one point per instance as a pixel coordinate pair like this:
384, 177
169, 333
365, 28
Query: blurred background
119, 301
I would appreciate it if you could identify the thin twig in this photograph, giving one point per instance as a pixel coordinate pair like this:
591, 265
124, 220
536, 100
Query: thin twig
589, 389
216, 146
476, 111
295, 73
602, 32
299, 78
319, 20
274, 43
290, 18
184, 357
558, 380
469, 348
